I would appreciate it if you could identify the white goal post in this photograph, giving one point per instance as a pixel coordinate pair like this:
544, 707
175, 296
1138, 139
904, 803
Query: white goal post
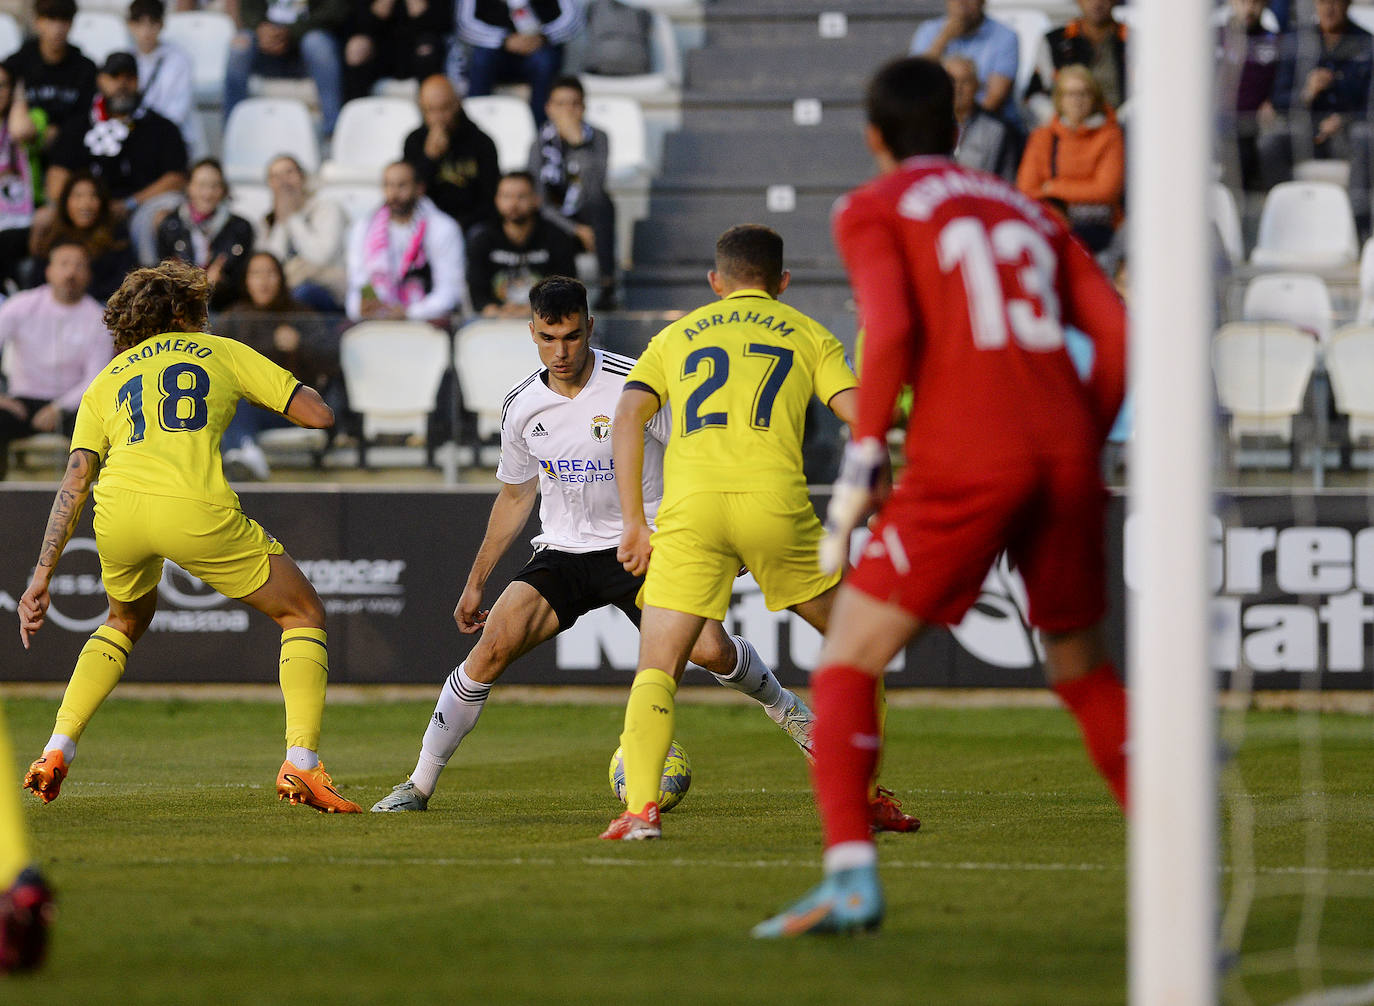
1173, 788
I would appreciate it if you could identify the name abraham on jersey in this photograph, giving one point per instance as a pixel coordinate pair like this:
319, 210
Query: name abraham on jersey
735, 318
601, 428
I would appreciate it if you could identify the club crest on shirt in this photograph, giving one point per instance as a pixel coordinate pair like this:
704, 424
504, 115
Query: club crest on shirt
601, 428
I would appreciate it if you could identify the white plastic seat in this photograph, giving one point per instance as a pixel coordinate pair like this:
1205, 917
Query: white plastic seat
358, 200
1350, 368
392, 370
1299, 299
1031, 25
369, 135
1226, 215
492, 356
250, 201
260, 129
11, 35
1306, 225
510, 124
622, 119
1262, 370
97, 33
1361, 14
206, 36
1364, 313
665, 65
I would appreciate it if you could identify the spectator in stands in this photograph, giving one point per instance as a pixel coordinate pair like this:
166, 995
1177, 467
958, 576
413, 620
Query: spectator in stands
136, 152
307, 233
403, 39
506, 259
164, 73
454, 159
985, 142
18, 177
290, 39
84, 214
1322, 88
205, 233
55, 342
1095, 40
406, 259
570, 161
289, 334
517, 41
1077, 162
1247, 65
57, 79
966, 31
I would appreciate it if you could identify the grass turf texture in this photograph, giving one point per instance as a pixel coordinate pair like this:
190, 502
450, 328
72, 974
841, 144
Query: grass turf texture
182, 880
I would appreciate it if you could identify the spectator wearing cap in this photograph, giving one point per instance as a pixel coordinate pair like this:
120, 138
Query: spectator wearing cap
402, 39
165, 76
138, 154
57, 79
290, 38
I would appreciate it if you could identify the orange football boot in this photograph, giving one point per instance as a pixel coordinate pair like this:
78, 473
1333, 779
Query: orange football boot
44, 777
313, 788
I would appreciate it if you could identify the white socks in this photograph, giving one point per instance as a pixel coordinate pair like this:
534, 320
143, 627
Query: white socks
849, 855
753, 677
63, 743
302, 758
455, 714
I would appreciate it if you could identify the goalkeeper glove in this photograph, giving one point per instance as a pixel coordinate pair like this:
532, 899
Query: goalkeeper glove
864, 477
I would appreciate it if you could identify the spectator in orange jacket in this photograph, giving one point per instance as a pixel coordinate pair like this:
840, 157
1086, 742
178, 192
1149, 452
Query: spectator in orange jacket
1077, 161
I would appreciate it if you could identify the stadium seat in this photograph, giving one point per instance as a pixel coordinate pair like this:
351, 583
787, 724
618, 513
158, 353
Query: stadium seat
1226, 216
97, 33
392, 370
1364, 313
665, 65
250, 201
1350, 367
205, 35
491, 357
1306, 225
510, 124
357, 200
259, 129
1299, 299
1361, 14
11, 35
1262, 371
1329, 169
622, 120
1031, 25
369, 135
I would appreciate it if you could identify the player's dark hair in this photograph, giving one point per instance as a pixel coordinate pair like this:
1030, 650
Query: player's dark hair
147, 10
751, 254
554, 298
170, 297
520, 174
569, 81
911, 102
55, 10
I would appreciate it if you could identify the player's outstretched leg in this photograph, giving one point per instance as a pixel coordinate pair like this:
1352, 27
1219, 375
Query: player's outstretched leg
98, 669
645, 741
734, 662
460, 703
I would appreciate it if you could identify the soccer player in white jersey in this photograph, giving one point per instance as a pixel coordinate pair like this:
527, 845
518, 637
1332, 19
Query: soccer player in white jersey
556, 445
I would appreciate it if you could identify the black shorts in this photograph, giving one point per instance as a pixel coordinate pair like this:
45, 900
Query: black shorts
575, 583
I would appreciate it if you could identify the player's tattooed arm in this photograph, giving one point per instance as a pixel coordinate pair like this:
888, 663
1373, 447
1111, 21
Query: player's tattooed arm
82, 467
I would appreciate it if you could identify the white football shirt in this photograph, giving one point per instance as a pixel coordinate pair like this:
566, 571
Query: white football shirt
566, 442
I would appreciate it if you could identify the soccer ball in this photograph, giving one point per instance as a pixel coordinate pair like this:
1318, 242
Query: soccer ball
677, 777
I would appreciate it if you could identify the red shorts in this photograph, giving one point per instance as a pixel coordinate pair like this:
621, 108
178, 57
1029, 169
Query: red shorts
940, 532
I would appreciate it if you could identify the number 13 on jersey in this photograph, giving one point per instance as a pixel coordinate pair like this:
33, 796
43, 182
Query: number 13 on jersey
966, 244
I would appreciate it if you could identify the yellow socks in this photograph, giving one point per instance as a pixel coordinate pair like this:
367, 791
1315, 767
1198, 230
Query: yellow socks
14, 845
304, 670
648, 735
98, 670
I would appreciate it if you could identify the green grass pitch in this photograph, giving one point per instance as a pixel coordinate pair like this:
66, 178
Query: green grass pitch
182, 880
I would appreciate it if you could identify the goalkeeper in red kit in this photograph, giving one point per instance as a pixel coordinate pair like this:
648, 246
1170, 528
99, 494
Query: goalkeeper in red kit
964, 287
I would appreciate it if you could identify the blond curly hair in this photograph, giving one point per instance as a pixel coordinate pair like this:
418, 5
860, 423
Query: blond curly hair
170, 297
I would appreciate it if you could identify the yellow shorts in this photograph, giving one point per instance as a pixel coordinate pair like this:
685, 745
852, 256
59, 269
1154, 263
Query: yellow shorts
701, 541
135, 532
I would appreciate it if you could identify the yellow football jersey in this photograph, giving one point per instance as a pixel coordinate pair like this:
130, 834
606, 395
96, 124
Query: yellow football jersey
738, 375
155, 415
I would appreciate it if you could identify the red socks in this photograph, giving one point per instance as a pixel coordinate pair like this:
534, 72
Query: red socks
846, 740
1098, 702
